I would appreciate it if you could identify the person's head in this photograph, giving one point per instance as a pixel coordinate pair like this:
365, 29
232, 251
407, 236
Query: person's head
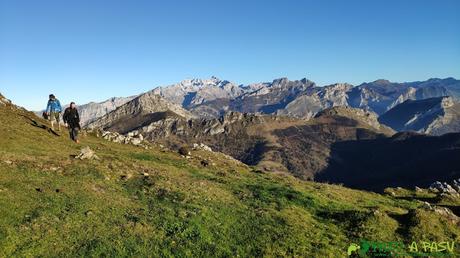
72, 105
52, 97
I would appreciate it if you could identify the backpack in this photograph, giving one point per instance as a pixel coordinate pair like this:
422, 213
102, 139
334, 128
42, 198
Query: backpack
45, 115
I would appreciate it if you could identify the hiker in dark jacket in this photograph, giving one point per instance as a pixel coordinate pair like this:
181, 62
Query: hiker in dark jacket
53, 111
72, 121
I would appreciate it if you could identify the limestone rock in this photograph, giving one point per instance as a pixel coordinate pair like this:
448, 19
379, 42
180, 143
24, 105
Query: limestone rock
444, 188
87, 153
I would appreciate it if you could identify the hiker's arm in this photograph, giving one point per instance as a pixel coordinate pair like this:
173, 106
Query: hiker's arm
59, 105
78, 120
64, 117
48, 107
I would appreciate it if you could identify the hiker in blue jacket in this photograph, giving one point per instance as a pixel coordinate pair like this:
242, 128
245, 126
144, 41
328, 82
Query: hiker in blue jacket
53, 110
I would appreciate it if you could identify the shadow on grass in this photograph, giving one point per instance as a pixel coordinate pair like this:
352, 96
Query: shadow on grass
420, 198
405, 222
42, 126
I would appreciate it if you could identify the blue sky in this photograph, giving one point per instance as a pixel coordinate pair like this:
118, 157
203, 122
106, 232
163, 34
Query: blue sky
91, 50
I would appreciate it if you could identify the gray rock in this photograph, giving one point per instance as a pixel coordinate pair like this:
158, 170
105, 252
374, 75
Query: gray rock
427, 206
87, 153
442, 188
201, 146
4, 101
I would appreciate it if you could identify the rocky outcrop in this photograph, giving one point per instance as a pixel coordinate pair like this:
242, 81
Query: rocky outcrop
133, 138
446, 188
201, 146
87, 153
4, 101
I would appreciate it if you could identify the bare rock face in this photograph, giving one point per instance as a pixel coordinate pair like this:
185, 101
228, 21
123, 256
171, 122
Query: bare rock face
192, 92
309, 104
92, 111
434, 116
272, 97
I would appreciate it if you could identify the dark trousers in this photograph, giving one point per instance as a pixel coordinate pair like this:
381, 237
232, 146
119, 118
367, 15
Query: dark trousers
73, 133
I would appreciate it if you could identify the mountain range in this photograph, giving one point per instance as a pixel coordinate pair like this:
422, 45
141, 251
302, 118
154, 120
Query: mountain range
212, 98
298, 128
299, 98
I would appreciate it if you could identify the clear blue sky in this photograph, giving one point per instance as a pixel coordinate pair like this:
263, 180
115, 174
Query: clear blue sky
90, 50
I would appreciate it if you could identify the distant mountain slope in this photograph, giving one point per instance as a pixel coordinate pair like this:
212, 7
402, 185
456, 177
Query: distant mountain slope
382, 95
136, 113
272, 97
432, 116
192, 92
213, 97
300, 98
310, 103
92, 111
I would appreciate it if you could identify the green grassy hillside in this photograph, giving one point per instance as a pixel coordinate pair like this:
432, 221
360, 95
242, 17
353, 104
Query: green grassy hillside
151, 203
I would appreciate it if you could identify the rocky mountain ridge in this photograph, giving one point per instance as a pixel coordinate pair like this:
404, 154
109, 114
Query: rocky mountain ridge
299, 98
211, 98
141, 110
434, 116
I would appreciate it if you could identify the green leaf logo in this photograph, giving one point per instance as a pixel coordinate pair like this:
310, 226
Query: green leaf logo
352, 248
